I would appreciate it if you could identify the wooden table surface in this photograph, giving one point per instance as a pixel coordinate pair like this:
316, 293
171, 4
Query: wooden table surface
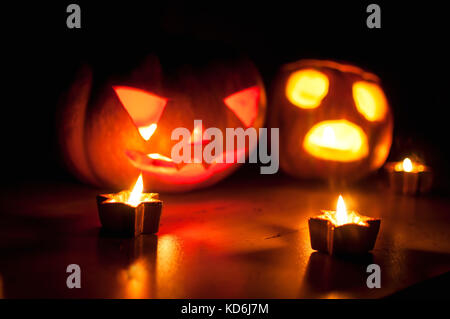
244, 238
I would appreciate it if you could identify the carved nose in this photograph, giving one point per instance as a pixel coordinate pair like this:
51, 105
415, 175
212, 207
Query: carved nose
197, 136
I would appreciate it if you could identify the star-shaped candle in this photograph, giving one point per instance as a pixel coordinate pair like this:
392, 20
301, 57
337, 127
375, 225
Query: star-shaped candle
130, 212
343, 232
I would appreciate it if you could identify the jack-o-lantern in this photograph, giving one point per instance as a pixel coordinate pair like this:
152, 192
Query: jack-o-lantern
114, 127
334, 119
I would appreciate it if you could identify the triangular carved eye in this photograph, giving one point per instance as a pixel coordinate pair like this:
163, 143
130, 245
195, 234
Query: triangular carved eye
244, 104
144, 108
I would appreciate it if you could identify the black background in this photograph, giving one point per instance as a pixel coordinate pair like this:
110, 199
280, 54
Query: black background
408, 53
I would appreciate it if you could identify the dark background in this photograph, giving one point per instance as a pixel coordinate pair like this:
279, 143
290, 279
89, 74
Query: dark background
408, 53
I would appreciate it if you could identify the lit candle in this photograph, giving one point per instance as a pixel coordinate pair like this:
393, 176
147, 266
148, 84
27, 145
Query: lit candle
130, 212
409, 177
342, 231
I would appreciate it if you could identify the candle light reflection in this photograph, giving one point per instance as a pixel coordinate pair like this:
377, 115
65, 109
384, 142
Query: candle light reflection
168, 259
135, 280
341, 212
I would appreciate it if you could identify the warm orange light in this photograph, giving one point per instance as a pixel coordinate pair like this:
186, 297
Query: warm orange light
168, 261
197, 134
144, 108
147, 131
408, 166
370, 100
135, 280
342, 217
135, 196
157, 156
244, 104
306, 88
341, 212
336, 140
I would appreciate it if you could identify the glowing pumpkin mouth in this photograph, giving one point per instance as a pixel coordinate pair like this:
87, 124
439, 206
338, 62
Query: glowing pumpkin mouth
184, 173
336, 140
140, 160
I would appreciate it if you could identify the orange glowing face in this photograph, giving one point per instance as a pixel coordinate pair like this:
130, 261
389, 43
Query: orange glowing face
146, 109
125, 126
332, 118
335, 140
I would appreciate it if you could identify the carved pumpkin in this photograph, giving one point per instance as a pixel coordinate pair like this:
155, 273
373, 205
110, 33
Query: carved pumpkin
335, 121
113, 127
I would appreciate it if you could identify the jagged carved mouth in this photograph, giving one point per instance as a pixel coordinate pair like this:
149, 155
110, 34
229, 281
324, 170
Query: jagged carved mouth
162, 166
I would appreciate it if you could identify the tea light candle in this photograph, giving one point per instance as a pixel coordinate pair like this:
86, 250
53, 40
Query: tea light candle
343, 232
130, 212
409, 177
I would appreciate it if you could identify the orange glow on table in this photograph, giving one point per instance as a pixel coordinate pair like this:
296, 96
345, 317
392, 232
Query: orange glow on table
135, 279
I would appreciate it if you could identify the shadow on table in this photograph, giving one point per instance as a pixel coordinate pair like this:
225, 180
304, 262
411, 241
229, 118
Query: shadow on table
341, 277
434, 271
326, 274
125, 251
435, 288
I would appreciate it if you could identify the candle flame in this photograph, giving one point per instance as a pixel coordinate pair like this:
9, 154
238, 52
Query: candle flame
341, 212
135, 196
407, 165
342, 216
